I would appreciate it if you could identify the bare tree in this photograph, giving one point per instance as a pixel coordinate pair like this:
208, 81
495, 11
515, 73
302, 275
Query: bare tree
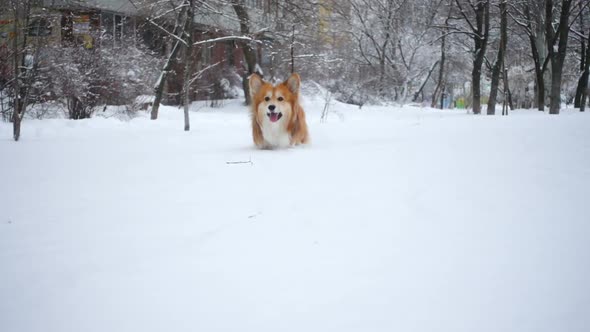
249, 53
415, 46
507, 99
557, 37
440, 84
182, 37
188, 35
374, 32
586, 76
180, 27
20, 11
499, 63
584, 39
528, 14
24, 54
477, 18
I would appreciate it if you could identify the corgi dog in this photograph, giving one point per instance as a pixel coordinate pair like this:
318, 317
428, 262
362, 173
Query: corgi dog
278, 120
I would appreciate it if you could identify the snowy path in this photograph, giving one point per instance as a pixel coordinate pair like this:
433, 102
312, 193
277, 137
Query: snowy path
391, 220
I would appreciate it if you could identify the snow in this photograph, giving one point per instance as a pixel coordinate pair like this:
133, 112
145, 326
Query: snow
258, 69
145, 99
391, 220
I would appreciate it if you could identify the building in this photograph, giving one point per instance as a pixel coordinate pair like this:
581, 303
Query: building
115, 23
88, 23
224, 79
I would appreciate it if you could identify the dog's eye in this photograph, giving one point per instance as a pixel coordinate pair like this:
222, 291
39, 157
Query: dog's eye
280, 98
266, 98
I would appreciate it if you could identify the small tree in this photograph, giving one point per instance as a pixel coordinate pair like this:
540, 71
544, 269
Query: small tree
24, 54
77, 75
180, 26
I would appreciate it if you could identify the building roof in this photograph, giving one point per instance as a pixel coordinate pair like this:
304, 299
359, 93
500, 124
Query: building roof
117, 6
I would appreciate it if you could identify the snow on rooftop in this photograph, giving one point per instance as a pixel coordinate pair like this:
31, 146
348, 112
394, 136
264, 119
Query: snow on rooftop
117, 6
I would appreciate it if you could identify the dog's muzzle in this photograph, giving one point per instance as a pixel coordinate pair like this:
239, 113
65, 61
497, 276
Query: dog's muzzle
274, 116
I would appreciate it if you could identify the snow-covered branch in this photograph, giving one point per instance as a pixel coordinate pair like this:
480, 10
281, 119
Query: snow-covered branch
227, 38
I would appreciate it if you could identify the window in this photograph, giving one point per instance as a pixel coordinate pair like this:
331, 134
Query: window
229, 52
255, 3
115, 28
39, 27
206, 54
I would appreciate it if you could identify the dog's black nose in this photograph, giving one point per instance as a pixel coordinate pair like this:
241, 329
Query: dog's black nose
271, 107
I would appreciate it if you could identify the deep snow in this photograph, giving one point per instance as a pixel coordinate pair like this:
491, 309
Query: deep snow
391, 220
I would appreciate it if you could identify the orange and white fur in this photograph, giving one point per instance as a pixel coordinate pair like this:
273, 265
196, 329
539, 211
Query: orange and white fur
278, 120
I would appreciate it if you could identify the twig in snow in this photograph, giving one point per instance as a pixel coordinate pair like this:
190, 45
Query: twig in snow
249, 161
327, 99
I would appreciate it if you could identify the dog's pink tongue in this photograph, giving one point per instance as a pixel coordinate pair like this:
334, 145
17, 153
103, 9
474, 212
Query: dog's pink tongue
274, 117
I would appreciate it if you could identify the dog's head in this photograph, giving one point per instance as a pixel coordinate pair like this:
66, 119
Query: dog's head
274, 103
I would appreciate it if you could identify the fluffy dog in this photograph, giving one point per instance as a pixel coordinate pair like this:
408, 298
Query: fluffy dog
278, 120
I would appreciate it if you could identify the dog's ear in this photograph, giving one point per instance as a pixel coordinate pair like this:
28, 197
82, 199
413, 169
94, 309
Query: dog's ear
293, 83
255, 82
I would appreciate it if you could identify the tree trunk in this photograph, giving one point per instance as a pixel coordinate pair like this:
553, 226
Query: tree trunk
482, 16
585, 76
16, 111
187, 65
249, 52
537, 42
21, 84
583, 81
498, 65
73, 108
441, 70
293, 51
16, 120
507, 97
507, 87
382, 52
540, 83
582, 85
555, 96
475, 87
557, 56
159, 86
417, 94
583, 100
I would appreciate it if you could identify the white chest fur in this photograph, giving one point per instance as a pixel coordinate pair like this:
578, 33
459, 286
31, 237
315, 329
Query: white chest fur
275, 134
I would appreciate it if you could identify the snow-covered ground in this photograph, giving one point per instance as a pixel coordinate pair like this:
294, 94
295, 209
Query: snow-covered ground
391, 220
